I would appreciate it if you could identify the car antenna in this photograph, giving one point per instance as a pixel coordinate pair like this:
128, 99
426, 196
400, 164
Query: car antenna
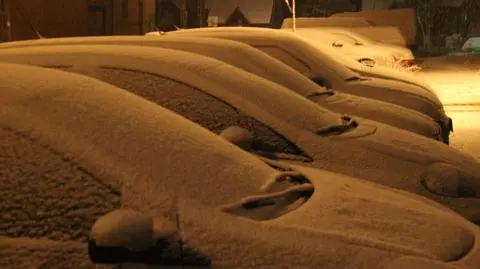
294, 14
19, 14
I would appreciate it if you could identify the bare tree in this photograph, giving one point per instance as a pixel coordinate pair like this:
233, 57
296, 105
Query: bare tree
472, 11
424, 14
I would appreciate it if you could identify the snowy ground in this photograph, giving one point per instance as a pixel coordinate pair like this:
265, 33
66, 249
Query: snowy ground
460, 93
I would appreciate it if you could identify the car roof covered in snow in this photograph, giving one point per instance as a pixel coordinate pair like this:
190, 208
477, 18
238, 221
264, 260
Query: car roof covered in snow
286, 39
125, 140
234, 53
249, 93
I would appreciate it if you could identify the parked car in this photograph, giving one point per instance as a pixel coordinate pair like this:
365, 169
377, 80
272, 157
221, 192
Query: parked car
275, 123
472, 45
93, 175
254, 61
323, 69
359, 47
374, 72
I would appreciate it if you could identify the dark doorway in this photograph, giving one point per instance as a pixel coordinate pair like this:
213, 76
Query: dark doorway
97, 20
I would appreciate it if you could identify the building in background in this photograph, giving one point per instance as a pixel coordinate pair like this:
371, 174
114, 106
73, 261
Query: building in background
4, 21
31, 19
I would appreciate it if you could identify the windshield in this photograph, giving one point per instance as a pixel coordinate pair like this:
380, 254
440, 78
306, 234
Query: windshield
364, 40
340, 36
274, 99
261, 64
338, 63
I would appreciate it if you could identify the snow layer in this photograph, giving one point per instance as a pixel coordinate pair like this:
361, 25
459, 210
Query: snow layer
371, 151
203, 72
25, 253
168, 167
254, 61
39, 197
320, 62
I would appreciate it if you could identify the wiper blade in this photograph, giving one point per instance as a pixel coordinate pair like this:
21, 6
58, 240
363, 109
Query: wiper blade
319, 93
268, 199
347, 124
334, 129
290, 176
355, 78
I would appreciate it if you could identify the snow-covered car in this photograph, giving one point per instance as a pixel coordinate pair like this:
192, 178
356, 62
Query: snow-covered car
275, 123
359, 47
319, 66
254, 61
472, 45
94, 176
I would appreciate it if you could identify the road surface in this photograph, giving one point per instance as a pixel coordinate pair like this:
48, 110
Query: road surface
459, 91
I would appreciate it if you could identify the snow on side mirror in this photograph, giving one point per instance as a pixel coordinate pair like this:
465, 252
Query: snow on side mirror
238, 136
128, 236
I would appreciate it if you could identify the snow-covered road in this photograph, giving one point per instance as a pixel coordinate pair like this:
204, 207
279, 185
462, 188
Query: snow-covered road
460, 93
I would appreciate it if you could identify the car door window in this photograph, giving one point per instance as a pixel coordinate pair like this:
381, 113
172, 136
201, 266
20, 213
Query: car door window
46, 195
195, 105
285, 57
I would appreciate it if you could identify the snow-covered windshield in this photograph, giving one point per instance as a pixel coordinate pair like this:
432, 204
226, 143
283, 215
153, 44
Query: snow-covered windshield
342, 34
275, 99
347, 63
140, 144
328, 59
273, 37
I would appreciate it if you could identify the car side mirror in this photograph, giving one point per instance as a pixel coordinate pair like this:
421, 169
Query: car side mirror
238, 136
128, 236
337, 44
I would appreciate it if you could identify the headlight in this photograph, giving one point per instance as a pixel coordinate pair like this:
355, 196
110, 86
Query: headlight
447, 180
